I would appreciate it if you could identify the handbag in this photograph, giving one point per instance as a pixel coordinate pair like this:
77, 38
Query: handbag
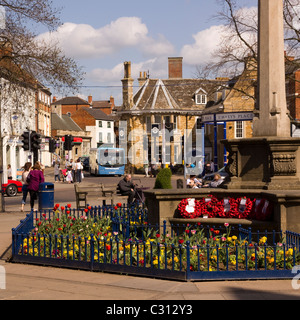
28, 179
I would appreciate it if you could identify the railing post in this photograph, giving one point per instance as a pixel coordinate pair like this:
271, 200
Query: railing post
188, 260
92, 252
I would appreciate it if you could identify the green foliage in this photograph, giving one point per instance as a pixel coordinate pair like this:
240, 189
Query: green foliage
163, 179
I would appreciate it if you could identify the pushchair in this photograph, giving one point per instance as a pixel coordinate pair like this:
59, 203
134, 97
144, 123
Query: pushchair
139, 194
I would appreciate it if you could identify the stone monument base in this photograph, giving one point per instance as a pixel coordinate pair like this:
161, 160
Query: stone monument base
263, 163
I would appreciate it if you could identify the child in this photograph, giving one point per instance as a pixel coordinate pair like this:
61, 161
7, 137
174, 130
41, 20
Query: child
69, 177
64, 174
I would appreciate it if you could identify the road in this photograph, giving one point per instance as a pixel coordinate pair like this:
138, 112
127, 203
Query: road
64, 192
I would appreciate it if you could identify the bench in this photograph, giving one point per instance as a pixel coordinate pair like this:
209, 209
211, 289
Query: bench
103, 194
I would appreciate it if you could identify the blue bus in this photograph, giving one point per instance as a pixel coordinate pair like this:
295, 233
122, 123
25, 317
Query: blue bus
108, 161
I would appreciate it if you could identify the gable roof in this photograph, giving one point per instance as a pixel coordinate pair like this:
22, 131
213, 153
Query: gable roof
173, 95
63, 123
98, 114
70, 101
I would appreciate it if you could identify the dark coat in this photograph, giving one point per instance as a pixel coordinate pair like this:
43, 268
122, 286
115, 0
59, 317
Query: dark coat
125, 186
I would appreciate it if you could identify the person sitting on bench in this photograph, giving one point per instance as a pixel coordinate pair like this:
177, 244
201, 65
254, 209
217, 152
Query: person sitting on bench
127, 188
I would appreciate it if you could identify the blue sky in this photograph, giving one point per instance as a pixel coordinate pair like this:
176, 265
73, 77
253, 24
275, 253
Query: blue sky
101, 35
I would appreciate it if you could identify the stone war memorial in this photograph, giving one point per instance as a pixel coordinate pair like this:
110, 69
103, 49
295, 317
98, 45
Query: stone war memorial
266, 166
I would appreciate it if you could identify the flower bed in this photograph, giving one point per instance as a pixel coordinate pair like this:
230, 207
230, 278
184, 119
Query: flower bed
90, 238
238, 208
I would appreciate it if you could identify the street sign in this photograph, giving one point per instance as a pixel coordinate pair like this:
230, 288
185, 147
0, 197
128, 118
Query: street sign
239, 116
228, 116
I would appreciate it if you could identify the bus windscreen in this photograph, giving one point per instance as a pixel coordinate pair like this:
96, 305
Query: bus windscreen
111, 158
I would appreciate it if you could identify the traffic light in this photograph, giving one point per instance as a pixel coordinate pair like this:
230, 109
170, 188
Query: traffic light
25, 140
35, 139
52, 145
69, 142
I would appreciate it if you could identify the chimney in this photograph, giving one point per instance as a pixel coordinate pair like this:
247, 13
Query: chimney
175, 68
127, 87
54, 99
112, 101
143, 78
90, 99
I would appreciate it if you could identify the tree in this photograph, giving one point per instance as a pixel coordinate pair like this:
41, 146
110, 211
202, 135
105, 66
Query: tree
23, 57
239, 40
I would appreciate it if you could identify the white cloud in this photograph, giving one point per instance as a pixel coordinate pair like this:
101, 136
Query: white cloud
206, 42
84, 41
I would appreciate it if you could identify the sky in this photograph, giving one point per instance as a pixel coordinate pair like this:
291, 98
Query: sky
102, 35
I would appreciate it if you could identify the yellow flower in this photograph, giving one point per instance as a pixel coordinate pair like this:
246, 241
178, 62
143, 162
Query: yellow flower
263, 240
234, 238
229, 238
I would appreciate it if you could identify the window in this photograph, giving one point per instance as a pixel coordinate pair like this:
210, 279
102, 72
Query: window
108, 125
148, 124
109, 137
100, 124
201, 98
100, 137
239, 129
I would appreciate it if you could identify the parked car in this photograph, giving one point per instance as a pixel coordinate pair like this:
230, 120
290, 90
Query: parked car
12, 188
209, 177
86, 164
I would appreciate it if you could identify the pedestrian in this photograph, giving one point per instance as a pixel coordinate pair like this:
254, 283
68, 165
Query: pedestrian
69, 175
27, 168
78, 169
42, 167
34, 178
146, 168
193, 182
56, 172
153, 169
73, 165
9, 172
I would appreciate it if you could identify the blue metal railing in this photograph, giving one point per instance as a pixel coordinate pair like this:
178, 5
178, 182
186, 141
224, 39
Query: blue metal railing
128, 251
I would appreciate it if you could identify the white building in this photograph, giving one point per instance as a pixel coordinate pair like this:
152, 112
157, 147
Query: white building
17, 112
99, 124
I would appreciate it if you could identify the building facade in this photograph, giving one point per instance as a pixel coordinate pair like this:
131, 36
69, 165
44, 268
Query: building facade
161, 106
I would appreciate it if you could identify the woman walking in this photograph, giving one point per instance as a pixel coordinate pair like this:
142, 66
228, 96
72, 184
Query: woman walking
34, 179
79, 168
56, 172
27, 168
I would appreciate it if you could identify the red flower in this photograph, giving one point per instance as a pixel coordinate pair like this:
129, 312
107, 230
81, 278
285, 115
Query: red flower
157, 235
86, 210
181, 241
62, 208
69, 205
59, 229
119, 204
116, 208
187, 231
89, 207
57, 219
108, 247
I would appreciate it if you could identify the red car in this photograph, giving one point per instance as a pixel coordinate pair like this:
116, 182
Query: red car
12, 188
